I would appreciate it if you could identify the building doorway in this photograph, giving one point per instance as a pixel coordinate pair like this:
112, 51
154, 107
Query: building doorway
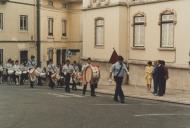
23, 57
60, 54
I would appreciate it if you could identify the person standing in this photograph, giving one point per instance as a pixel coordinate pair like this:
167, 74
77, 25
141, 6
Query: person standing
51, 69
9, 66
148, 75
155, 78
76, 70
92, 83
16, 69
166, 76
1, 73
67, 71
32, 64
118, 70
161, 79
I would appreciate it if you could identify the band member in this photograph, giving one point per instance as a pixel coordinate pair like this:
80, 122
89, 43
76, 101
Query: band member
1, 73
17, 72
92, 83
51, 70
24, 75
9, 71
118, 70
67, 71
76, 70
31, 66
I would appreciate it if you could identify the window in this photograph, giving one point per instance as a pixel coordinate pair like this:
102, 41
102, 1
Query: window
24, 23
167, 30
1, 56
50, 2
50, 53
64, 28
99, 32
139, 31
50, 26
1, 21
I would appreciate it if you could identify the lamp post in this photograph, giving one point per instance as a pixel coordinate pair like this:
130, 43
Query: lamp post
38, 42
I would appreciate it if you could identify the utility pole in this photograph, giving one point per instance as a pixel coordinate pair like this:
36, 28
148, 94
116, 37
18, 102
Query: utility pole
38, 41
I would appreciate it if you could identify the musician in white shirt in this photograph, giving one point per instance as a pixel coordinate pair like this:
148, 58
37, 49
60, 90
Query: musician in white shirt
67, 71
16, 69
51, 69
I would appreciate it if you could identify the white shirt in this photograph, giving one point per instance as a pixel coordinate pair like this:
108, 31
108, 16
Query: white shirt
116, 67
16, 67
67, 69
52, 68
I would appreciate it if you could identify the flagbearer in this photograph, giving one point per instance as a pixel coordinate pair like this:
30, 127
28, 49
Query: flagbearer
118, 70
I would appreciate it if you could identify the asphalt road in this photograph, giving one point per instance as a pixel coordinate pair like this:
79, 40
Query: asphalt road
23, 107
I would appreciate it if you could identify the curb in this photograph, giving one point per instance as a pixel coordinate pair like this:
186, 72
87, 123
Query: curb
145, 98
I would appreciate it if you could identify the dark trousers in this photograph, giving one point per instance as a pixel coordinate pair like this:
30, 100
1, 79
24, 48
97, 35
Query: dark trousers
118, 89
164, 86
67, 83
1, 77
155, 85
51, 83
92, 87
16, 78
74, 85
161, 87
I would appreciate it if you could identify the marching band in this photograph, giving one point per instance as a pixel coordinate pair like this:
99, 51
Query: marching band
67, 74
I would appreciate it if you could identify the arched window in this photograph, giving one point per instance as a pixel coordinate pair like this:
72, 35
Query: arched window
139, 30
99, 32
167, 23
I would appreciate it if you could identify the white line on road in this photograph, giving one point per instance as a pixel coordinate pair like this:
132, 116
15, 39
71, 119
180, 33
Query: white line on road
164, 114
65, 95
122, 104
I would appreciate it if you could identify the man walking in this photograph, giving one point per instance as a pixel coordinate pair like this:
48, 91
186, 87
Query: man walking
118, 70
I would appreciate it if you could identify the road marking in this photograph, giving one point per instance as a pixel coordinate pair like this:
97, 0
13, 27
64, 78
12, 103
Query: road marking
122, 104
65, 95
164, 114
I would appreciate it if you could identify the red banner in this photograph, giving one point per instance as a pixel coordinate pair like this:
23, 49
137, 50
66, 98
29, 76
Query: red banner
113, 57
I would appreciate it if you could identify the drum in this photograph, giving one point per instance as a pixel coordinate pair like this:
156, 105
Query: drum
77, 77
43, 75
55, 76
18, 72
10, 71
37, 73
24, 72
91, 73
32, 74
1, 69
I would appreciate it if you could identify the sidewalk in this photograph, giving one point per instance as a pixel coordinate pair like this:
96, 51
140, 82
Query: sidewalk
175, 96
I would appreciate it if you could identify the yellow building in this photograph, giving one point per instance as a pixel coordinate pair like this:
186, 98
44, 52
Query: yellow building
17, 26
61, 23
60, 30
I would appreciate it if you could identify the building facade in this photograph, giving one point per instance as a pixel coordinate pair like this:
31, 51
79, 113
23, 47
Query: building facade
17, 30
139, 30
60, 30
61, 23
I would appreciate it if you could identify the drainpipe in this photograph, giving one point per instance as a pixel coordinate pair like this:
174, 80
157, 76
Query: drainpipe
38, 42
